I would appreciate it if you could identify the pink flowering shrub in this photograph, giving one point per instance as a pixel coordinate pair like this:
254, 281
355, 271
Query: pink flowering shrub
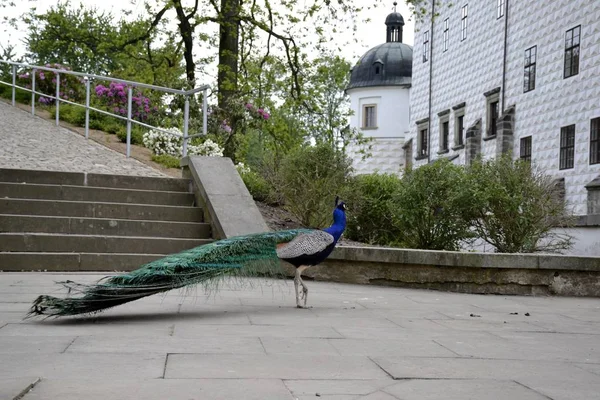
114, 97
72, 87
257, 112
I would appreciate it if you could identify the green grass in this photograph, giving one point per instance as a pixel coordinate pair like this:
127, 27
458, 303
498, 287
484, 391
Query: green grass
166, 160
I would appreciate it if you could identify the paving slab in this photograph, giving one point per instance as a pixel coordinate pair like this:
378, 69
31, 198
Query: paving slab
470, 389
16, 388
282, 366
324, 387
83, 366
164, 345
160, 389
477, 368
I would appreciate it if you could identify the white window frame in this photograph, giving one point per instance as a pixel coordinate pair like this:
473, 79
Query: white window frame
464, 15
457, 114
495, 98
446, 33
500, 9
443, 120
365, 116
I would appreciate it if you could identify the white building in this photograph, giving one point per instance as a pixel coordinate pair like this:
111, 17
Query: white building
379, 96
499, 75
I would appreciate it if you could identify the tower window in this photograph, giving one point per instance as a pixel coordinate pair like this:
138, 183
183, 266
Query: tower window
426, 46
567, 147
370, 116
500, 7
464, 13
530, 59
572, 38
446, 33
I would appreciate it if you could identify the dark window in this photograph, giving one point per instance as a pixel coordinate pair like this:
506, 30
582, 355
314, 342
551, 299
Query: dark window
530, 59
426, 46
526, 148
494, 111
463, 22
445, 134
423, 142
446, 33
377, 70
567, 147
370, 117
460, 127
500, 12
572, 51
595, 141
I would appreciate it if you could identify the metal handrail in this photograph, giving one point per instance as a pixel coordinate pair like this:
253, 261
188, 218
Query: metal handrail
130, 85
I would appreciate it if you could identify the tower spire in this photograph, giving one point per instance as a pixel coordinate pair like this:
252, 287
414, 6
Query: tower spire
394, 23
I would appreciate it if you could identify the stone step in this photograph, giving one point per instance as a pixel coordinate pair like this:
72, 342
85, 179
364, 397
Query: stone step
99, 180
94, 194
68, 262
103, 226
61, 208
58, 243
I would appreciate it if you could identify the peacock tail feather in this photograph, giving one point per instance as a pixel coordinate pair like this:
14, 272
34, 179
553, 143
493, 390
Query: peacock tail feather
238, 257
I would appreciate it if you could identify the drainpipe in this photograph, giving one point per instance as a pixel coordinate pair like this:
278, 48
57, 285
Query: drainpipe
429, 148
504, 61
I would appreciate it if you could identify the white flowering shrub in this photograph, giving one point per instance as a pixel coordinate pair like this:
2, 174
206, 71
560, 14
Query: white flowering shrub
164, 143
172, 144
242, 168
208, 148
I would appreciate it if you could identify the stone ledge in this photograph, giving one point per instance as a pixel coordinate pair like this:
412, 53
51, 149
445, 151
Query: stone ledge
517, 274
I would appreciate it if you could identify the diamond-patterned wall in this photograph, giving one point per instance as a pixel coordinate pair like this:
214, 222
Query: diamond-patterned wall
472, 67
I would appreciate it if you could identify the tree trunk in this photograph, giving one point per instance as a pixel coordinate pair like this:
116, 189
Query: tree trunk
228, 50
186, 31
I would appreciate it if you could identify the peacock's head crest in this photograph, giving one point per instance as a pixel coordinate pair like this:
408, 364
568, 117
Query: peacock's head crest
339, 205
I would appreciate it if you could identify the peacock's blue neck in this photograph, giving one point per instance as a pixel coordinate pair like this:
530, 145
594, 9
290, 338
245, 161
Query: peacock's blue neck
339, 224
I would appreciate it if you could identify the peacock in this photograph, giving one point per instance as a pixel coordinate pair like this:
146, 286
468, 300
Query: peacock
254, 255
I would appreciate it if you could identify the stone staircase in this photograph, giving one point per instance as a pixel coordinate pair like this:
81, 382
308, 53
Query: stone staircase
65, 221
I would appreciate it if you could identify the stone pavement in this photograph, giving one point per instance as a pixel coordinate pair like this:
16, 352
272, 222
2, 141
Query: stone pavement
358, 342
28, 142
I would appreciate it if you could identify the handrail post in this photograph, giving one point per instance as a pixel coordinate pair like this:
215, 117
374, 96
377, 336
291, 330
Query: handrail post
14, 85
87, 107
204, 113
57, 97
33, 91
129, 100
186, 117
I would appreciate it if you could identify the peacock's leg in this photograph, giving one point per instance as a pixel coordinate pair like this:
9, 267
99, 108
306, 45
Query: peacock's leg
297, 281
304, 294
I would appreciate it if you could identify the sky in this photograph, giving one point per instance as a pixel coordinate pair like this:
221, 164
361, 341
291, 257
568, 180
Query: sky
369, 34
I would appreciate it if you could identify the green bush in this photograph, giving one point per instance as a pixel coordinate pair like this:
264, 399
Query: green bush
517, 208
369, 217
166, 160
309, 179
72, 114
431, 209
137, 135
21, 96
258, 186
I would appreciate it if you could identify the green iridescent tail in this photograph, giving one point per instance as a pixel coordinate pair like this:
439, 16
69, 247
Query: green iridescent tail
242, 256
